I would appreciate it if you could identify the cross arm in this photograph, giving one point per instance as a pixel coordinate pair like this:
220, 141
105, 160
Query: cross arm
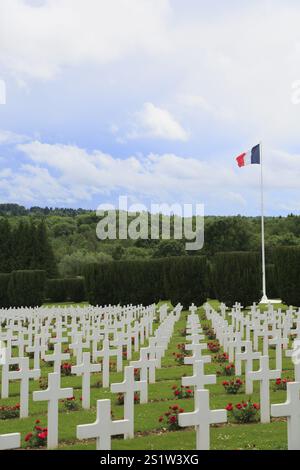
120, 427
188, 419
77, 370
281, 410
10, 441
88, 431
210, 379
35, 373
218, 416
66, 393
117, 388
188, 381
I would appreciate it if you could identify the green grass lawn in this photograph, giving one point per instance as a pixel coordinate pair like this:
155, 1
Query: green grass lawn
150, 434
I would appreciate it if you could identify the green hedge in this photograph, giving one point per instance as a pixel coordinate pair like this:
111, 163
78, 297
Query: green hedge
4, 280
66, 290
180, 279
237, 277
125, 282
272, 282
186, 280
26, 288
287, 261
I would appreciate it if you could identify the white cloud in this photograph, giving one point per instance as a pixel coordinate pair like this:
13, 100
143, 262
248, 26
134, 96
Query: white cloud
8, 137
6, 172
243, 63
61, 174
224, 76
155, 122
197, 102
38, 39
236, 67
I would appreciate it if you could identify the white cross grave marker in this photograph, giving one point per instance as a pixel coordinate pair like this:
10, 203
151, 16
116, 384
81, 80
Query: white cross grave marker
105, 353
52, 395
248, 356
197, 354
198, 379
264, 375
145, 364
85, 369
278, 342
291, 409
24, 374
128, 387
295, 355
104, 427
57, 357
202, 418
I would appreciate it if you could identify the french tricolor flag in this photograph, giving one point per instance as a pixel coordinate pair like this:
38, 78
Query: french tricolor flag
249, 158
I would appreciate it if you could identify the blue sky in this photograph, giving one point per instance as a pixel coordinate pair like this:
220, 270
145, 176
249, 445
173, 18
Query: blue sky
149, 99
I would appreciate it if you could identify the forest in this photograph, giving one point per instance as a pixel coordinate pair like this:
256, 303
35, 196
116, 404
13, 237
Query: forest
63, 241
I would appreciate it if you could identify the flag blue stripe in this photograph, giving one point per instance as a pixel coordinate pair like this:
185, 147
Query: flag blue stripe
255, 155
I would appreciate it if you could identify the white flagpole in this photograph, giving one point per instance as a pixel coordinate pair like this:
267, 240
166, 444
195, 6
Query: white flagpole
263, 251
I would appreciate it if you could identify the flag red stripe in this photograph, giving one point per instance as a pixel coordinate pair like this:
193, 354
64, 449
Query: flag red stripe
241, 160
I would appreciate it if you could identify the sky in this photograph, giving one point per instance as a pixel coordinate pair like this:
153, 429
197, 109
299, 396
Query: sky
152, 100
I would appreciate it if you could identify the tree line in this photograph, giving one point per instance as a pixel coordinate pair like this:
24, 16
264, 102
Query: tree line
72, 242
26, 246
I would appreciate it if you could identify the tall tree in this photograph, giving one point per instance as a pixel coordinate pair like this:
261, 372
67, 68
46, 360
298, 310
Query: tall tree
44, 254
5, 246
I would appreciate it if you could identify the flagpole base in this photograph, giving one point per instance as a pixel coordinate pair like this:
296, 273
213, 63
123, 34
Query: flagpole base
266, 301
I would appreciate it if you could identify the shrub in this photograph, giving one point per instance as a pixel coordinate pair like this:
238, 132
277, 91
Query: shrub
214, 346
179, 356
245, 412
210, 334
75, 288
43, 383
4, 281
170, 418
273, 288
9, 412
65, 369
70, 404
146, 282
280, 384
221, 358
97, 384
56, 290
232, 387
66, 290
38, 437
186, 280
136, 282
26, 288
120, 398
287, 262
237, 277
182, 392
227, 370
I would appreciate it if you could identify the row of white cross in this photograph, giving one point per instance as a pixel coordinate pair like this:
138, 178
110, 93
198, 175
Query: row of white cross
234, 340
274, 327
104, 427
